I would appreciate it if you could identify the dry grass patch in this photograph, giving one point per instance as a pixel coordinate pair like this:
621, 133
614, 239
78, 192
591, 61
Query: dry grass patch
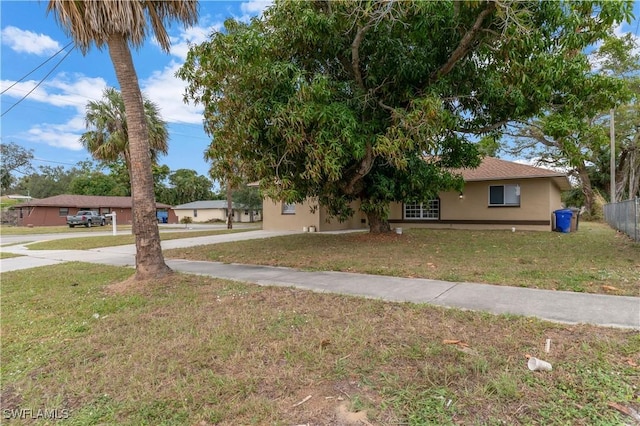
35, 230
189, 350
7, 255
595, 259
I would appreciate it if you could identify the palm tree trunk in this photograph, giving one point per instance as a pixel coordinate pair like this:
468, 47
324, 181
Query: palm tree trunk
149, 259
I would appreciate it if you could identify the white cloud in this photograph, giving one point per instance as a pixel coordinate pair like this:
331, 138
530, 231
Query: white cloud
536, 162
29, 42
64, 135
255, 7
64, 91
619, 31
193, 35
252, 9
75, 90
167, 91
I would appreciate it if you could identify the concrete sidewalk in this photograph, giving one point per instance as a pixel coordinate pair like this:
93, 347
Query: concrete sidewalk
557, 306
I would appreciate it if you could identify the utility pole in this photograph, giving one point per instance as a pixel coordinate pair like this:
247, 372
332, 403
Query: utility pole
613, 157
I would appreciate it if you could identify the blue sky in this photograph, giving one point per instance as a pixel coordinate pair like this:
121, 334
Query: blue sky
50, 119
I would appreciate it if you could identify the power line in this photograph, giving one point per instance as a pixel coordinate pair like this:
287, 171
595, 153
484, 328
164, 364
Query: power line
51, 161
47, 108
37, 85
36, 68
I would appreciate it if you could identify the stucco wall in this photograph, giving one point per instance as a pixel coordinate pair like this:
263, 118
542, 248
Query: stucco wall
205, 215
275, 219
538, 199
357, 221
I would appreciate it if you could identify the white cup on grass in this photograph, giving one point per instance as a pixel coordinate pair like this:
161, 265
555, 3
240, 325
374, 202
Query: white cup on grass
536, 364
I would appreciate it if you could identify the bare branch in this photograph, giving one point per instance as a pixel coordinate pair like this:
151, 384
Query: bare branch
355, 54
465, 44
387, 107
362, 170
485, 129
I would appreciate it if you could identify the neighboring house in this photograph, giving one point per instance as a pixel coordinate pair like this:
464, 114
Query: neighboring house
54, 210
215, 210
498, 194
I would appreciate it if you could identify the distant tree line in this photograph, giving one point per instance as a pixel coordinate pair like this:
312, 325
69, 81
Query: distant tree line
87, 177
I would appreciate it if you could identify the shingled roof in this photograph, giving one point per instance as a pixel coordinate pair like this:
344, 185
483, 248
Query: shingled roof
205, 204
84, 201
496, 169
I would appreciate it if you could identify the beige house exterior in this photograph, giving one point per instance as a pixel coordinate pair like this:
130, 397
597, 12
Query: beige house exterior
215, 210
498, 194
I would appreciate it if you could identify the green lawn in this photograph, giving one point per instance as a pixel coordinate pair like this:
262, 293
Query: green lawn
594, 259
189, 350
86, 243
25, 230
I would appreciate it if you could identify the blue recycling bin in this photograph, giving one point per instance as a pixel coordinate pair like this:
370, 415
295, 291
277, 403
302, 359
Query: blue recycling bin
563, 220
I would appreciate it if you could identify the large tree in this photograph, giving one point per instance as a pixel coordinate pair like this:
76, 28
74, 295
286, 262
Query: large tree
13, 158
48, 181
119, 25
378, 101
573, 133
248, 198
186, 185
96, 183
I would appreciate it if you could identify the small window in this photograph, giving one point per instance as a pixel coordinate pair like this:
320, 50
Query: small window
63, 211
429, 210
105, 210
504, 195
246, 212
195, 212
288, 208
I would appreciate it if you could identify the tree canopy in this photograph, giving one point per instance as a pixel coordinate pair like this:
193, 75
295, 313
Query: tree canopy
575, 135
14, 158
107, 137
379, 101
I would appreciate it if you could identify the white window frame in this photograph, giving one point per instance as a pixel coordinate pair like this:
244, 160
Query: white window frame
288, 208
429, 210
510, 195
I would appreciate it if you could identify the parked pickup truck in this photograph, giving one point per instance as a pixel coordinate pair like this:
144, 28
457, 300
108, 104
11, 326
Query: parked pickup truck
86, 218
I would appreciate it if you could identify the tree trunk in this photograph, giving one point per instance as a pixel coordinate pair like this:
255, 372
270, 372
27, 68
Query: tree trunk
587, 189
229, 205
377, 225
149, 259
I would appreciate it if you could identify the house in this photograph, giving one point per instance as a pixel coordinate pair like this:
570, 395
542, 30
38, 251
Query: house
215, 210
498, 194
54, 210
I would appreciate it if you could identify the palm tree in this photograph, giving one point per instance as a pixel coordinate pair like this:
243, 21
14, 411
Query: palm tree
109, 139
117, 24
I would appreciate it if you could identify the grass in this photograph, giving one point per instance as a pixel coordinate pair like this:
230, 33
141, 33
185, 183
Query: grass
5, 255
200, 351
86, 243
595, 259
25, 230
